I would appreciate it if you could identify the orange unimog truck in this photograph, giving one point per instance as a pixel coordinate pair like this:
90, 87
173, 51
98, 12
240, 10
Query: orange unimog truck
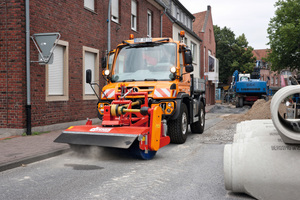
149, 100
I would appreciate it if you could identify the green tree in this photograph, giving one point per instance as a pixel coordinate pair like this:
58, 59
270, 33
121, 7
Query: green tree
284, 36
233, 53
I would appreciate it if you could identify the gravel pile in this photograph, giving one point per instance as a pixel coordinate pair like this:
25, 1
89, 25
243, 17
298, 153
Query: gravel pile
259, 110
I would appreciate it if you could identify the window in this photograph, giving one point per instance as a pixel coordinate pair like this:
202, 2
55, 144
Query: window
194, 51
140, 63
178, 14
272, 80
133, 14
181, 17
181, 62
115, 10
57, 82
90, 61
174, 10
190, 24
89, 4
209, 36
149, 23
186, 23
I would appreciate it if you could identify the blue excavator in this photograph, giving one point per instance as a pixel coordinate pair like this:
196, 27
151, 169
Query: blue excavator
249, 88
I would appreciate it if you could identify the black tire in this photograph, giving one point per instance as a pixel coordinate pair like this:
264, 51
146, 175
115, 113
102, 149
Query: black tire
241, 102
237, 102
178, 128
198, 127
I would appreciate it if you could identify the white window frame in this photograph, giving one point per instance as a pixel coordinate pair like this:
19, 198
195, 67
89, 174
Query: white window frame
95, 75
89, 4
115, 10
133, 15
65, 95
149, 23
194, 51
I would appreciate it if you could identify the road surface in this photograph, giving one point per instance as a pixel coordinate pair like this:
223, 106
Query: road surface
193, 170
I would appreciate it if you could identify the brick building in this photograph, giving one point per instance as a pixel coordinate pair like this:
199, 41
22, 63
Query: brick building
265, 71
59, 94
176, 19
203, 27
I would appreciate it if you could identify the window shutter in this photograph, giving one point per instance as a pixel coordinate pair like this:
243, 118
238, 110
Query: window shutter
89, 63
133, 8
56, 72
115, 8
89, 4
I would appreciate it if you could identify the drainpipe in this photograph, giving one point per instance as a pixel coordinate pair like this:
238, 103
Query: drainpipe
28, 104
108, 26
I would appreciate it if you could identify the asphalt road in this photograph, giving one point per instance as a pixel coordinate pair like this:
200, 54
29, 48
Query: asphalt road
193, 170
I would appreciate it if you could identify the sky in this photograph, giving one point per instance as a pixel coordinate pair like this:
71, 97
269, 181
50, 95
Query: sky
241, 16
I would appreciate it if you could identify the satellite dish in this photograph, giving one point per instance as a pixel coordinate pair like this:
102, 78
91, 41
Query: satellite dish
45, 43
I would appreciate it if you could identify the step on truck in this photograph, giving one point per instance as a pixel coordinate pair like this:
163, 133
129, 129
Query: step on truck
150, 99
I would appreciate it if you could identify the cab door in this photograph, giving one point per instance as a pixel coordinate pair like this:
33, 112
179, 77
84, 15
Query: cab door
184, 84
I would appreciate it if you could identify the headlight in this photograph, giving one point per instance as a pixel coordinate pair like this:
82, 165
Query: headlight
106, 72
169, 104
173, 69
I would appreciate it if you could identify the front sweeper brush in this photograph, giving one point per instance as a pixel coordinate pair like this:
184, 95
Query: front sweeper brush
127, 122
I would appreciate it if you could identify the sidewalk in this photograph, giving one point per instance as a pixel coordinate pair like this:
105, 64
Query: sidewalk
22, 150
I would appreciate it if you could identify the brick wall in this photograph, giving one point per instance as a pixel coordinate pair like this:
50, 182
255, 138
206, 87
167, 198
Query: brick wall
208, 43
78, 26
12, 64
120, 31
167, 27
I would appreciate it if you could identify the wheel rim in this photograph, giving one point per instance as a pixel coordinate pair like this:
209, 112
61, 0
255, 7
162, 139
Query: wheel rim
184, 123
202, 117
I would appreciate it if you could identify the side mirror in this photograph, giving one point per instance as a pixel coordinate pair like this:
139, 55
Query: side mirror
88, 76
188, 58
189, 68
103, 62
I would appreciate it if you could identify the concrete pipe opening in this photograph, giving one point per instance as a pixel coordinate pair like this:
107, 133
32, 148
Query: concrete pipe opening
285, 110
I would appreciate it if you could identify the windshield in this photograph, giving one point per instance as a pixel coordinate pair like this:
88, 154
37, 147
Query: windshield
145, 62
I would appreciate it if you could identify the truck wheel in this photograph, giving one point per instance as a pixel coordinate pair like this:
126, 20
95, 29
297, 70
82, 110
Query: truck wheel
237, 102
198, 127
178, 128
241, 101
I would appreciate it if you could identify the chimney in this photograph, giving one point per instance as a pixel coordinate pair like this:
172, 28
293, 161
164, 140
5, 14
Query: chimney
208, 7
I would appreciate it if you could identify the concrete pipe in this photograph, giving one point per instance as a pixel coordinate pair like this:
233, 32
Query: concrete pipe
289, 130
254, 128
263, 168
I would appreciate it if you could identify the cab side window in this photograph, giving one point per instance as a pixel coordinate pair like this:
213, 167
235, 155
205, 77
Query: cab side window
181, 62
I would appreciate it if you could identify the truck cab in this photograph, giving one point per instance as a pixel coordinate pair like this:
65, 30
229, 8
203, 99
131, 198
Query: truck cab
162, 68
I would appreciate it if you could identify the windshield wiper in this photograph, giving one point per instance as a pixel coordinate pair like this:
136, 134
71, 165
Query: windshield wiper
128, 80
150, 79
